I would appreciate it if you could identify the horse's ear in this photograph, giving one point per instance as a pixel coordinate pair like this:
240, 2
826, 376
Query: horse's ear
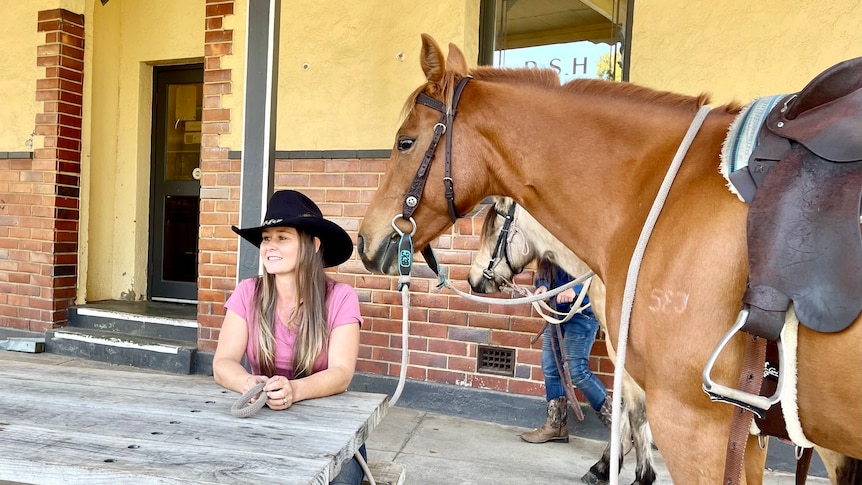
455, 61
432, 61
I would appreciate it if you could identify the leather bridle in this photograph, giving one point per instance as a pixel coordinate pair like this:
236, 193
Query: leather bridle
414, 193
501, 249
447, 116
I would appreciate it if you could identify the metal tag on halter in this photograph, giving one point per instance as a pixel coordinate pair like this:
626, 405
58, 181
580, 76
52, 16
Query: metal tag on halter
411, 201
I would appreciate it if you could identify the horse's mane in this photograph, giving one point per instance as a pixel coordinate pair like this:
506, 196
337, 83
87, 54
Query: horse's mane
490, 216
549, 79
536, 77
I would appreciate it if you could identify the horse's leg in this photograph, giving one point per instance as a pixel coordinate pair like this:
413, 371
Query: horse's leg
600, 472
690, 434
693, 456
842, 470
645, 469
850, 472
755, 460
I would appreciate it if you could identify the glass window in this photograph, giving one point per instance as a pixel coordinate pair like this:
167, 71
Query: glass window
576, 38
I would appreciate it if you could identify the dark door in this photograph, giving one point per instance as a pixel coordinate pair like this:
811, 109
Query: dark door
175, 186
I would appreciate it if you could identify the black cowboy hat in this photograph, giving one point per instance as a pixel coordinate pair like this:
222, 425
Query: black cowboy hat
289, 208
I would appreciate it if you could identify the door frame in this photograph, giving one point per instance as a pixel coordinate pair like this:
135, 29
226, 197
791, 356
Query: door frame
158, 288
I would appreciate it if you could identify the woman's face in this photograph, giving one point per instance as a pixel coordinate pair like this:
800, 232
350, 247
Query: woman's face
279, 250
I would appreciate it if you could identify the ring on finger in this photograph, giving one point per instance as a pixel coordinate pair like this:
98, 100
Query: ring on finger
284, 402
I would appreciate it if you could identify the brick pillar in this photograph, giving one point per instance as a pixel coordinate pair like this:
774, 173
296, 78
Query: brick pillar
43, 255
219, 182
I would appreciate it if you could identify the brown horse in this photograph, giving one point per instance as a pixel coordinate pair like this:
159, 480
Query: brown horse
512, 238
586, 159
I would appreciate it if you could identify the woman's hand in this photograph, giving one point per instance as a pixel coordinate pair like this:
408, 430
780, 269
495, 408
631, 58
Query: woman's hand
567, 296
279, 392
250, 382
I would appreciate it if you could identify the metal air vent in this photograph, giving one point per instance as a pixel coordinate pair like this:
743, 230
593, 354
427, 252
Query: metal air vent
495, 360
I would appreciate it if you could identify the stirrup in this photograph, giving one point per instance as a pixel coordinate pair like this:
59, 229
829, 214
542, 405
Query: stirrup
755, 403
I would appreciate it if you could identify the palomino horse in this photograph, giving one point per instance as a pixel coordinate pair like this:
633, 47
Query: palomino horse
512, 249
585, 159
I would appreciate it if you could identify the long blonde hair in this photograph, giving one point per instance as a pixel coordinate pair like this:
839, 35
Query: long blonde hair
309, 315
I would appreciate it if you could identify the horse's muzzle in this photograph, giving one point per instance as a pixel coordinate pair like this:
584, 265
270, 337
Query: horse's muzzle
383, 259
482, 284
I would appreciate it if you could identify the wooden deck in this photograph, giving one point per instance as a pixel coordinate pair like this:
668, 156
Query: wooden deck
64, 422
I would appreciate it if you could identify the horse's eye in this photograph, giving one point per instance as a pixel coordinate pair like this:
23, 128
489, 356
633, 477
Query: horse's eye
405, 144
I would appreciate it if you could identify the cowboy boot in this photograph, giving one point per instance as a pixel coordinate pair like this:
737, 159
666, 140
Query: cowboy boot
606, 413
556, 427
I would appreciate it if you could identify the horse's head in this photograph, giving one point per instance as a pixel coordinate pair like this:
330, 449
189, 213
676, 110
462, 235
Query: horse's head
504, 249
511, 239
404, 203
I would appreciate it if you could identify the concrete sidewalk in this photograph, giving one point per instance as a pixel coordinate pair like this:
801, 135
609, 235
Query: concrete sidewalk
440, 449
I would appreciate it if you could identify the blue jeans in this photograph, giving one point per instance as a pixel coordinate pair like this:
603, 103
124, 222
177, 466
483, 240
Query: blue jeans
579, 333
351, 472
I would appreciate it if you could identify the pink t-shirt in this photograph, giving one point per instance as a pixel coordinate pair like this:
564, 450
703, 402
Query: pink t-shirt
342, 308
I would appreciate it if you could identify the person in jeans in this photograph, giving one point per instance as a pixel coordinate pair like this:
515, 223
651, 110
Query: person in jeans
579, 333
298, 329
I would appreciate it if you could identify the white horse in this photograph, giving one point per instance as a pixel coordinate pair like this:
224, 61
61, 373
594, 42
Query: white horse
525, 241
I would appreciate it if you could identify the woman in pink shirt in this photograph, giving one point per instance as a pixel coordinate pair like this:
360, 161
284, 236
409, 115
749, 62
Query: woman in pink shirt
298, 329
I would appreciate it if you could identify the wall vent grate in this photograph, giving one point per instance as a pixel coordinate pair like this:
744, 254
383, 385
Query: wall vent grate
495, 360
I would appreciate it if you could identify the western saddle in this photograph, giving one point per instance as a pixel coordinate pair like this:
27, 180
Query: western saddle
803, 183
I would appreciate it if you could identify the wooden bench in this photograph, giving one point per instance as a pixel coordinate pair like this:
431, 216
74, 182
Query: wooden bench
97, 441
385, 472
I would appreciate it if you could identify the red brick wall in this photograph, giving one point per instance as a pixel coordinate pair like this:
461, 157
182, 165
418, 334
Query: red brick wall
445, 329
219, 207
40, 196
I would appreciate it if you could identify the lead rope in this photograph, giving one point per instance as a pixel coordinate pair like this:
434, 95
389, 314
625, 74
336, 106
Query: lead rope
444, 282
239, 408
631, 284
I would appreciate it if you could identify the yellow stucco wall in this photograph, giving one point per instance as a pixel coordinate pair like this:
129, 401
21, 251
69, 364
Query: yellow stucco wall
355, 61
362, 61
18, 65
128, 38
738, 49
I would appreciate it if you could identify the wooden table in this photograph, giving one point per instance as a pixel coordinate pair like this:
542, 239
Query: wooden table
65, 421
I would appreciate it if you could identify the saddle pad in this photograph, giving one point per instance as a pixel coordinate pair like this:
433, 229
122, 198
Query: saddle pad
741, 137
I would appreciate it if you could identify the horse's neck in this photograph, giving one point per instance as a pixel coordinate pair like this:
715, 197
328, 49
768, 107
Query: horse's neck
595, 196
545, 242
